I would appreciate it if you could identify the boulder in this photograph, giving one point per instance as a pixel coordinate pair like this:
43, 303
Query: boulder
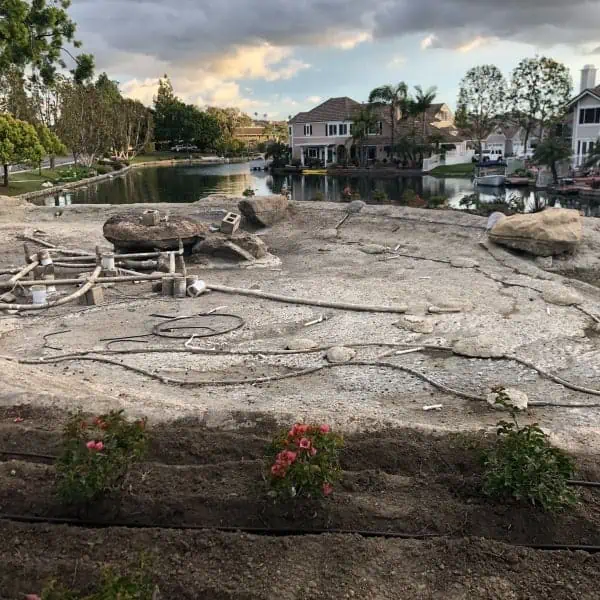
240, 246
415, 324
355, 207
128, 233
340, 354
264, 210
301, 344
551, 232
511, 398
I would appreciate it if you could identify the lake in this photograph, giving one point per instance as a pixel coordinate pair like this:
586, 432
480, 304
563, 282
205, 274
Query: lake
187, 183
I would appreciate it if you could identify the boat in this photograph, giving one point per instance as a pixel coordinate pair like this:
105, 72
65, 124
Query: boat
490, 174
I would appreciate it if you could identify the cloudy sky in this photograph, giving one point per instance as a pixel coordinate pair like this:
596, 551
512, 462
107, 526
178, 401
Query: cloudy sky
282, 56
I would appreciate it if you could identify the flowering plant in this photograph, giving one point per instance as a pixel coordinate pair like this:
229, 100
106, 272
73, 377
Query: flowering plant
304, 462
97, 454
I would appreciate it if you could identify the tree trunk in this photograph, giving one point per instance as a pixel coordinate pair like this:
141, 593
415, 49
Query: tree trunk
393, 110
5, 175
52, 161
526, 139
554, 172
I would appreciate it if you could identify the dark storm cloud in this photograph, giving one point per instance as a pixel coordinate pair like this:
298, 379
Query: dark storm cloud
188, 30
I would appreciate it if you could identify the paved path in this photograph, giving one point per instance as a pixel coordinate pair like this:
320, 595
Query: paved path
59, 161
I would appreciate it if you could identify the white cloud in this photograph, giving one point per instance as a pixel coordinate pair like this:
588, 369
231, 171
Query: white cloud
428, 41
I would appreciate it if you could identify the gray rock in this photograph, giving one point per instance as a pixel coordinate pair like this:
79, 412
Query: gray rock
244, 246
463, 262
415, 324
264, 210
340, 354
355, 207
328, 234
544, 262
561, 296
511, 398
481, 346
301, 344
373, 249
448, 306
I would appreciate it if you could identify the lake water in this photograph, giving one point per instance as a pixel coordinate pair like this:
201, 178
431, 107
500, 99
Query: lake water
190, 183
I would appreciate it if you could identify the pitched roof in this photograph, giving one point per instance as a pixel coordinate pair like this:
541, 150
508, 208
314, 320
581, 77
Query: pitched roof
593, 91
334, 109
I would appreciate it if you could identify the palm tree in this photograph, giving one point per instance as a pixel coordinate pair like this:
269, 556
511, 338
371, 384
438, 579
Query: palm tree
364, 121
593, 158
423, 102
551, 151
395, 98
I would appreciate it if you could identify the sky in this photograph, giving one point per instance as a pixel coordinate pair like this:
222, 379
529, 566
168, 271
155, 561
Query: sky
279, 57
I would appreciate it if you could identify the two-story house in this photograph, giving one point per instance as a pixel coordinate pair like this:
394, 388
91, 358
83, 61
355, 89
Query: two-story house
585, 112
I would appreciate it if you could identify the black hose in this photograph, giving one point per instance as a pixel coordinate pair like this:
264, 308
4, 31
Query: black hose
162, 329
276, 532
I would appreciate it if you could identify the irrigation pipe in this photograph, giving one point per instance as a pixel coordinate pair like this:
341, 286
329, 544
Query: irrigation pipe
98, 279
24, 271
82, 290
310, 302
280, 532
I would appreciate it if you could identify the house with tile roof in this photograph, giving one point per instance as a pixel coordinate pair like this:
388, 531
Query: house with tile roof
585, 116
324, 134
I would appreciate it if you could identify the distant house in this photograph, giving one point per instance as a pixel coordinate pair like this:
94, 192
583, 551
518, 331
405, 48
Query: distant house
259, 131
324, 133
585, 116
509, 140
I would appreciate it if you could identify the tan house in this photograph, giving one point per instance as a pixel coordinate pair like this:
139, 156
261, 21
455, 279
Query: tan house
324, 134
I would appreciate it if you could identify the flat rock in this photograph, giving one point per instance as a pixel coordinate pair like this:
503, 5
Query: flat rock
415, 324
561, 296
127, 232
463, 262
340, 354
239, 246
373, 249
481, 346
328, 234
301, 344
355, 206
448, 306
264, 210
511, 398
551, 232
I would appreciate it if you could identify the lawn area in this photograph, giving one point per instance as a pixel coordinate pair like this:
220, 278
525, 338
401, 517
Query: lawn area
152, 156
463, 170
31, 181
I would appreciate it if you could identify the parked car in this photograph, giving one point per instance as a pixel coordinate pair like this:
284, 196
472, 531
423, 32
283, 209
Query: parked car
488, 156
184, 148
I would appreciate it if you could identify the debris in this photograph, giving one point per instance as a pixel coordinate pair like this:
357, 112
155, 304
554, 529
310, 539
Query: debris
415, 324
315, 321
340, 354
8, 297
197, 288
433, 407
19, 419
150, 218
230, 223
446, 308
93, 297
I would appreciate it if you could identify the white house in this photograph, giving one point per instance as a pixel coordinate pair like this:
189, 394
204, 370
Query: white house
509, 141
585, 109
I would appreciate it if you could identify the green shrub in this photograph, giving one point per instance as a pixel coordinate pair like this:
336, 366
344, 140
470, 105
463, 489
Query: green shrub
97, 455
319, 197
137, 586
379, 195
103, 169
248, 193
436, 201
304, 462
523, 465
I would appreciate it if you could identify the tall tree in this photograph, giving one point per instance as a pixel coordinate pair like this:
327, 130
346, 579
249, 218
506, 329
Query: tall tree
395, 98
19, 143
132, 128
540, 89
33, 35
52, 145
481, 99
229, 119
364, 121
550, 151
423, 102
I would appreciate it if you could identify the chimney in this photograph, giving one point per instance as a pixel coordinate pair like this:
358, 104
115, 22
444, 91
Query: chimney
588, 77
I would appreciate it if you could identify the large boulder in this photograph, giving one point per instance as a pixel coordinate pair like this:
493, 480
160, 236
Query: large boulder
264, 210
550, 232
128, 233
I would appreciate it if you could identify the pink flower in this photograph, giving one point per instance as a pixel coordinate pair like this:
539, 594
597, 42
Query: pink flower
325, 429
291, 456
327, 489
99, 446
313, 451
278, 470
304, 443
19, 419
91, 445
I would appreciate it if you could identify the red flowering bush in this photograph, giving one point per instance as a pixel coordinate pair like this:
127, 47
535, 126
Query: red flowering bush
97, 454
304, 462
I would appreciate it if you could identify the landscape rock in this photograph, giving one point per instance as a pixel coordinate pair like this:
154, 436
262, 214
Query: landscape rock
328, 234
301, 344
127, 232
415, 324
240, 246
481, 346
373, 249
340, 354
355, 207
264, 210
561, 296
463, 262
551, 232
512, 398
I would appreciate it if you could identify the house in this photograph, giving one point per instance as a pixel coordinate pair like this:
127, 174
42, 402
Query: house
509, 140
259, 131
324, 133
585, 116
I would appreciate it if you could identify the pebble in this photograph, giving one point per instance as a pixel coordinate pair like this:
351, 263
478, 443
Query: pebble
415, 324
561, 296
301, 344
463, 262
373, 249
516, 398
481, 346
340, 354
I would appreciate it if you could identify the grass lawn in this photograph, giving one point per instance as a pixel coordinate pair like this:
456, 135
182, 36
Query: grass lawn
464, 170
31, 181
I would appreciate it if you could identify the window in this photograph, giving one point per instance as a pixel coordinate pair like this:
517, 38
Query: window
584, 148
588, 116
333, 129
313, 153
377, 130
351, 128
308, 130
290, 130
343, 129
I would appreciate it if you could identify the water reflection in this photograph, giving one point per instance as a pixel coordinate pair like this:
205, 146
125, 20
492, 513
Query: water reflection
190, 183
